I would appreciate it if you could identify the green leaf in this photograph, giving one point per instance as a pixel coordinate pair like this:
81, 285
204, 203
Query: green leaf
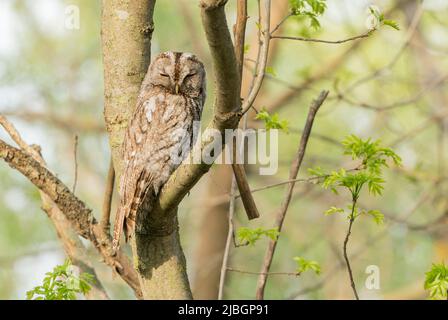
377, 216
251, 236
314, 22
316, 171
436, 281
391, 24
374, 10
61, 284
333, 210
382, 19
373, 159
375, 185
246, 48
271, 71
310, 9
272, 121
305, 265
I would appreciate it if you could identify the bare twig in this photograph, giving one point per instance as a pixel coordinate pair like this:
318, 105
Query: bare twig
280, 23
347, 261
239, 33
410, 33
361, 36
310, 179
230, 235
107, 201
371, 241
295, 274
238, 168
259, 50
15, 136
323, 71
75, 158
295, 166
239, 178
263, 59
243, 186
225, 197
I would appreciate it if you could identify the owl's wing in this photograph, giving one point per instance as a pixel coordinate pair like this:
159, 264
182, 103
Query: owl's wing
143, 186
134, 172
127, 212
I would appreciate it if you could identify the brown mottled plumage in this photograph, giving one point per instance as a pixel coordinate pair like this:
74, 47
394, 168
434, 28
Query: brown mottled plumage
160, 133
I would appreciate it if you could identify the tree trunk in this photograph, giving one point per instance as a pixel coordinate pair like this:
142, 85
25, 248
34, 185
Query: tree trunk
127, 28
126, 32
161, 264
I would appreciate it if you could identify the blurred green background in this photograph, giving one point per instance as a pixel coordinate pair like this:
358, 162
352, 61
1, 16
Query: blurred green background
51, 88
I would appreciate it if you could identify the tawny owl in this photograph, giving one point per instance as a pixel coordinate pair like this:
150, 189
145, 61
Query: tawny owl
160, 132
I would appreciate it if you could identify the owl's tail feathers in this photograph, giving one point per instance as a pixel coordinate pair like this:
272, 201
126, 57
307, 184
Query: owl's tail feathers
124, 222
129, 227
118, 227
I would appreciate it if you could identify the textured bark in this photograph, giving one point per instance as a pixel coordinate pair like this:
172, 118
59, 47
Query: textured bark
161, 265
74, 210
126, 53
126, 32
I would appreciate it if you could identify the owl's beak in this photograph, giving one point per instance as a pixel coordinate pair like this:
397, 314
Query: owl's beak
176, 88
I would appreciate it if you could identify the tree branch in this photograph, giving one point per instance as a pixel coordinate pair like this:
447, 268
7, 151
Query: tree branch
75, 161
238, 169
295, 166
74, 210
262, 59
322, 71
226, 111
73, 247
107, 201
295, 274
344, 249
240, 34
361, 36
230, 234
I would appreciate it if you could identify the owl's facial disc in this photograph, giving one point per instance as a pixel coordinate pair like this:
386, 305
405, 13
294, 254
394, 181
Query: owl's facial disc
179, 73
